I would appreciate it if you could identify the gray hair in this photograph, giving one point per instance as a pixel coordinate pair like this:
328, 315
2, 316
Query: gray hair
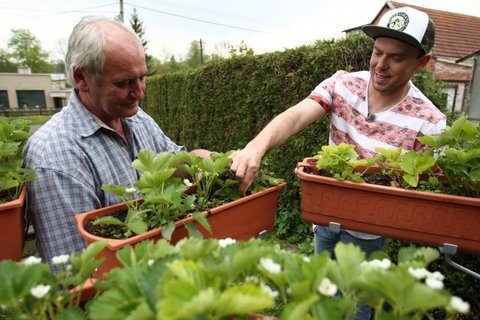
85, 47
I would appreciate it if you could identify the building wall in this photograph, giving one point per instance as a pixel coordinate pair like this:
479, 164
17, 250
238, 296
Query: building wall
457, 77
12, 82
15, 81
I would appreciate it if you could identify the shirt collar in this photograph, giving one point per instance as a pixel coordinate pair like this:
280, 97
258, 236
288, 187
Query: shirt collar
90, 123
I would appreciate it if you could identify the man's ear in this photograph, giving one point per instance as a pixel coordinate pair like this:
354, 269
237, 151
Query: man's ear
80, 79
423, 61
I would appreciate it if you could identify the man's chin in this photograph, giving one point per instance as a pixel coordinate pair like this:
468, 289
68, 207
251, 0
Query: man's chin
130, 112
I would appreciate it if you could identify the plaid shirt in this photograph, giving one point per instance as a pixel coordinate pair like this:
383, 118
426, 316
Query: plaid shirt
73, 155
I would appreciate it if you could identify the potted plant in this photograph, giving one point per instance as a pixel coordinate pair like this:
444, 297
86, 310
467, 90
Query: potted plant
161, 205
31, 291
13, 176
228, 279
434, 200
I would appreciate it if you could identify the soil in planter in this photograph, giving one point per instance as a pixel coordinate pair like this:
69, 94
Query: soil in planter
111, 231
373, 178
108, 231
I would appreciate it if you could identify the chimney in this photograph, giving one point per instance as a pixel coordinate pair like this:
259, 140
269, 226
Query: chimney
24, 70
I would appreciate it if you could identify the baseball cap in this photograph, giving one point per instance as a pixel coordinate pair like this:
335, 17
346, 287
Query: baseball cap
405, 24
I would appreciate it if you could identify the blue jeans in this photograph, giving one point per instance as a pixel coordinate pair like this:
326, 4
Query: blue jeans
326, 241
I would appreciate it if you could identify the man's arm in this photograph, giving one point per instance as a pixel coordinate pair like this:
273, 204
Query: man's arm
246, 162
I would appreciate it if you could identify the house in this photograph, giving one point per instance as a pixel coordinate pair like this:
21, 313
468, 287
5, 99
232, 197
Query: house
457, 36
27, 93
473, 110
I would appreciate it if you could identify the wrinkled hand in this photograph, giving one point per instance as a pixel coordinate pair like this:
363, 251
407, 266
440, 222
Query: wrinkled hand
245, 164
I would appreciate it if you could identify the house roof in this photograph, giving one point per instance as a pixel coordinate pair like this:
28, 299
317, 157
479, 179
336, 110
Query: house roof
457, 35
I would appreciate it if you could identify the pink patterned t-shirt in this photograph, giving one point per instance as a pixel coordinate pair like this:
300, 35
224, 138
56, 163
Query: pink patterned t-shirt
345, 96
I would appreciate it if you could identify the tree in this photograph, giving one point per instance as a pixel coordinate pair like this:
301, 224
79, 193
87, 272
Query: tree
137, 26
241, 50
26, 50
5, 64
195, 56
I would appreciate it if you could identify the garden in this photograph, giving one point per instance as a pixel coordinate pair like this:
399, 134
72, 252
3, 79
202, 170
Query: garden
214, 258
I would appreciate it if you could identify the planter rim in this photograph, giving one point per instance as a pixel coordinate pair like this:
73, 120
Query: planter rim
440, 197
114, 244
16, 203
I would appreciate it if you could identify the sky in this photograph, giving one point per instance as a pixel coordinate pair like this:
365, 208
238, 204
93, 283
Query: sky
171, 25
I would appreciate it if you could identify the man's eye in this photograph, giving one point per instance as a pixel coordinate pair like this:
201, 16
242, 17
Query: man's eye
122, 84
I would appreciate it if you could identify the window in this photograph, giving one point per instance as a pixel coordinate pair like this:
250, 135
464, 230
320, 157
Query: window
31, 99
4, 100
451, 92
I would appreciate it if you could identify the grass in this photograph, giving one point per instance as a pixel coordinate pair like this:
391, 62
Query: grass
36, 120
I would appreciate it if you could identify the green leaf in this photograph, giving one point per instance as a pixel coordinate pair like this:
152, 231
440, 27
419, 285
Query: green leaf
184, 301
112, 305
86, 262
346, 268
107, 220
300, 310
71, 313
119, 191
202, 220
421, 297
136, 223
411, 180
17, 280
167, 230
242, 299
193, 231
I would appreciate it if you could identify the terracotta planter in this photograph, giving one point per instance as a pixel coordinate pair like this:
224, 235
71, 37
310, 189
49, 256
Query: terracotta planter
12, 227
88, 290
424, 217
241, 219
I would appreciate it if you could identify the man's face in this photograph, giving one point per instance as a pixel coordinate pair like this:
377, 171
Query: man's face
122, 83
393, 63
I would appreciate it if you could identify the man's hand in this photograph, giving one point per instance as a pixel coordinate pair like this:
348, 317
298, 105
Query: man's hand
245, 164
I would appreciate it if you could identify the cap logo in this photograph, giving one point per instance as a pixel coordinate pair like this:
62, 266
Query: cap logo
399, 21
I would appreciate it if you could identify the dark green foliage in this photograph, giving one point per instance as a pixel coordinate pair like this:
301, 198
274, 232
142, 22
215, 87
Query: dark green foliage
457, 282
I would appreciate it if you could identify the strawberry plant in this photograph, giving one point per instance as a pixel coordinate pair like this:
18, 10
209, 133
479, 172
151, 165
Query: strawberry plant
13, 136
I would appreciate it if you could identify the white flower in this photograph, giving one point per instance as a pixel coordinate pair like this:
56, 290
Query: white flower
187, 182
150, 262
434, 283
382, 264
306, 259
61, 259
419, 273
378, 264
327, 288
130, 190
40, 291
226, 242
437, 275
269, 265
31, 260
459, 305
267, 289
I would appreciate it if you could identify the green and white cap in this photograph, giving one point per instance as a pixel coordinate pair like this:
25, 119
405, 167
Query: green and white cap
406, 24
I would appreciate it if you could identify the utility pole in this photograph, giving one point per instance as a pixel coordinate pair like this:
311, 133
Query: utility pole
121, 11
